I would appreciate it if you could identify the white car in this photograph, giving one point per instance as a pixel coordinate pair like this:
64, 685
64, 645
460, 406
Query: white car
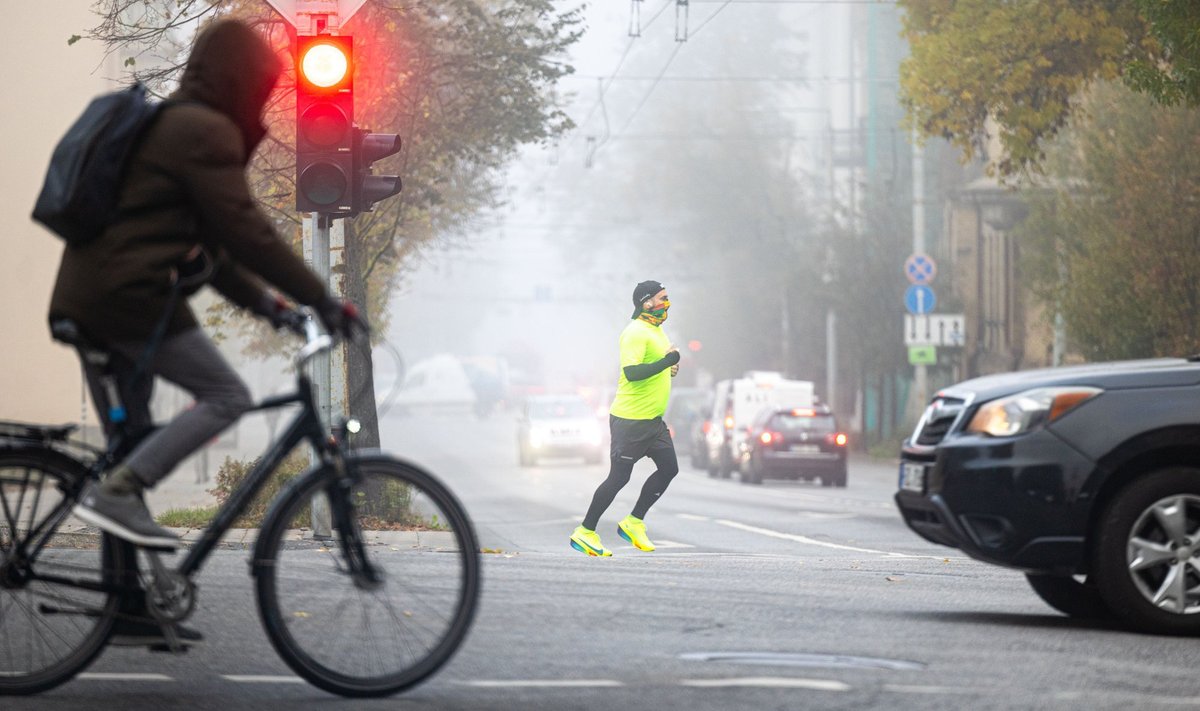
558, 426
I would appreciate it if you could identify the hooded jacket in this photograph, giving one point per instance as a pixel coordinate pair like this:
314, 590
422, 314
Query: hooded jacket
185, 186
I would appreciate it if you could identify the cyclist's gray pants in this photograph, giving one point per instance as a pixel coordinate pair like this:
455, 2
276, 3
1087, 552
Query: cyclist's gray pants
191, 361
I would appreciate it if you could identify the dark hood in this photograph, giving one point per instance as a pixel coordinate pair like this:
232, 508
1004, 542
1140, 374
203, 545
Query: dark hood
233, 70
1119, 375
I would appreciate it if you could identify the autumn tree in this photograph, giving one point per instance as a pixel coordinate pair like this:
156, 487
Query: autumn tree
1112, 235
1018, 67
465, 83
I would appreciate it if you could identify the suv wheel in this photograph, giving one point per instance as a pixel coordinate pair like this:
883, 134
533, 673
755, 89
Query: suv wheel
1069, 596
1147, 556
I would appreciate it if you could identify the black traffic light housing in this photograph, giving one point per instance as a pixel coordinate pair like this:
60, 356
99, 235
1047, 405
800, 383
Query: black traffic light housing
325, 133
368, 187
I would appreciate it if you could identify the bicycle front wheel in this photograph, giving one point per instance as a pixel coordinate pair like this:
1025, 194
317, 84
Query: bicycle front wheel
57, 592
352, 635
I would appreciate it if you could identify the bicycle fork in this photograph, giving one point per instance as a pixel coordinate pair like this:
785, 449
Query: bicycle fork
364, 573
170, 599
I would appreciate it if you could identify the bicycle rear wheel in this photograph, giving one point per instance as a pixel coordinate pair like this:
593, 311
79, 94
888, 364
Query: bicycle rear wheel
56, 604
358, 637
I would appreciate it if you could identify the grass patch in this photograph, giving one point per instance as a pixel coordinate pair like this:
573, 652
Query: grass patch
198, 517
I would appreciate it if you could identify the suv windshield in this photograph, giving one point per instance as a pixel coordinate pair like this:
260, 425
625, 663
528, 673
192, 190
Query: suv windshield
788, 422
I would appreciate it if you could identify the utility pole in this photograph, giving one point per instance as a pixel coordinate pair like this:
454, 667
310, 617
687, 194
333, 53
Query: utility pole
334, 178
920, 373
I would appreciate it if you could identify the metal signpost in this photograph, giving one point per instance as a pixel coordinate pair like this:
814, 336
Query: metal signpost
333, 170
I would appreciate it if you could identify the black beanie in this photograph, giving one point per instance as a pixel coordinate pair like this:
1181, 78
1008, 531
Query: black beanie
644, 291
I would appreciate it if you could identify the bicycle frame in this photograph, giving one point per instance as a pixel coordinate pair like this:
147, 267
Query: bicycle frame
305, 426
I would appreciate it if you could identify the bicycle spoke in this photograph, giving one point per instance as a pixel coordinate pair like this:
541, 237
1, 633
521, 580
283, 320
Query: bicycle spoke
381, 635
10, 518
53, 616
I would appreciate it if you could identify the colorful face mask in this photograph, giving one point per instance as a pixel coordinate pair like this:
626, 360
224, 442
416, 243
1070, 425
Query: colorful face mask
656, 316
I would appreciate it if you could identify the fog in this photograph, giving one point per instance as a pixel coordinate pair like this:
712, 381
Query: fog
640, 190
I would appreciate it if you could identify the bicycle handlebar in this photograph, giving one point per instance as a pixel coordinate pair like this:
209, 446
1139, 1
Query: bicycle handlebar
302, 323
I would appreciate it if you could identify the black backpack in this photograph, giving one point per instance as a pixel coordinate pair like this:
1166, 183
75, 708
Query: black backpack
79, 196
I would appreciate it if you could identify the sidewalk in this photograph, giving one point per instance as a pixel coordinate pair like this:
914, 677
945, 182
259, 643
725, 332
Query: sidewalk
180, 490
75, 534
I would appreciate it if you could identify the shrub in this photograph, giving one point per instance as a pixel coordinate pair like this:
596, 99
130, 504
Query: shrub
233, 472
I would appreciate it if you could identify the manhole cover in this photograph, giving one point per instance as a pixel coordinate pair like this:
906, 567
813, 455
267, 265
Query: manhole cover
800, 659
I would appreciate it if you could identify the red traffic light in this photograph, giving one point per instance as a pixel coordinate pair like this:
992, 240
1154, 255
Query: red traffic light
323, 62
325, 124
324, 65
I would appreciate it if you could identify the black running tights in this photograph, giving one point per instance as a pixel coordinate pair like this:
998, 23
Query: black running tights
618, 477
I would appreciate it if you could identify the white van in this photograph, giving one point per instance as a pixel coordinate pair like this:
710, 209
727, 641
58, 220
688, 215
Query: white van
735, 405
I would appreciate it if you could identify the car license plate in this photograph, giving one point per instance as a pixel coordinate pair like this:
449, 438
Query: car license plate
805, 448
912, 476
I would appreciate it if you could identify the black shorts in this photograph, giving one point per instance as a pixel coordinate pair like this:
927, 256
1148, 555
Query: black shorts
634, 439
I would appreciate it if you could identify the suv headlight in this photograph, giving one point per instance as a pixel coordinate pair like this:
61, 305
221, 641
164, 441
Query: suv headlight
1020, 413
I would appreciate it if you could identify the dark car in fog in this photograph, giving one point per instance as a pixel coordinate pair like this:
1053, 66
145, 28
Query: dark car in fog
795, 443
1086, 478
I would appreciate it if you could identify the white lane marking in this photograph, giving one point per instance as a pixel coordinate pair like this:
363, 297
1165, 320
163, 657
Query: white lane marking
768, 682
543, 683
815, 542
543, 522
671, 544
117, 676
693, 517
262, 679
918, 689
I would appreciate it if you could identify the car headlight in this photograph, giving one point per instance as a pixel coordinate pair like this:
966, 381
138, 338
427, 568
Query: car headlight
1020, 413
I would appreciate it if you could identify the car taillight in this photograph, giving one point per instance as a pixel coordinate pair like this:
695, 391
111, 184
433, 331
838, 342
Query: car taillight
706, 426
839, 439
770, 438
729, 422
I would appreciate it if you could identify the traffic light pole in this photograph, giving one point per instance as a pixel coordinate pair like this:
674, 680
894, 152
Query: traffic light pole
318, 226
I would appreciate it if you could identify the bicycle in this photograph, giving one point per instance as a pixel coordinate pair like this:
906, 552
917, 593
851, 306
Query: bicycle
400, 553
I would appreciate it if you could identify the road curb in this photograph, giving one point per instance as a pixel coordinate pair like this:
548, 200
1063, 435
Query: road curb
81, 536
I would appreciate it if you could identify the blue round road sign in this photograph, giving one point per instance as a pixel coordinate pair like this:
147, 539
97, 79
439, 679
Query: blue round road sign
919, 299
920, 268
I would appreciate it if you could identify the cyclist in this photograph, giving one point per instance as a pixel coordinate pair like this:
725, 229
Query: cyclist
648, 362
184, 207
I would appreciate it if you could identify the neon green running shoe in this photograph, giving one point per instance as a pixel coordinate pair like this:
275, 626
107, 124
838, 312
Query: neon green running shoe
634, 530
587, 541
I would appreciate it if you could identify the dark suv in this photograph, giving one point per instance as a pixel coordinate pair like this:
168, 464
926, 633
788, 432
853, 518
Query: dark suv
1086, 478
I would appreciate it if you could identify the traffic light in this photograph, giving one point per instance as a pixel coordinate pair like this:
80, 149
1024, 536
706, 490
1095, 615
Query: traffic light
368, 187
325, 135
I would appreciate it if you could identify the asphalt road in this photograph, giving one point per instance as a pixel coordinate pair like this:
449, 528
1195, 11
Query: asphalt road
777, 596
